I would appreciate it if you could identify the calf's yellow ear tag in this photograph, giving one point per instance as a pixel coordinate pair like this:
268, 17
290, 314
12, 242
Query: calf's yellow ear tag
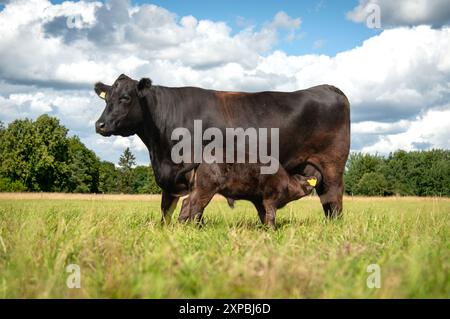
312, 181
102, 95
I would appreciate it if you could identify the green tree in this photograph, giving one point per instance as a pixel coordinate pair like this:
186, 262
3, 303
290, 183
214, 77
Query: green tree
126, 177
16, 148
420, 173
144, 181
416, 173
35, 153
141, 180
7, 185
359, 164
437, 181
372, 184
50, 156
108, 176
153, 186
83, 168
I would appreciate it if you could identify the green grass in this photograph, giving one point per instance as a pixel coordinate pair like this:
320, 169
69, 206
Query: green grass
124, 252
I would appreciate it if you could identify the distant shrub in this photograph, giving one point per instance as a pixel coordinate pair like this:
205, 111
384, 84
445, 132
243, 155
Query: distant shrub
372, 184
6, 185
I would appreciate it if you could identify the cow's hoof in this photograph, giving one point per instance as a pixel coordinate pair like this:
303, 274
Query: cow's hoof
165, 221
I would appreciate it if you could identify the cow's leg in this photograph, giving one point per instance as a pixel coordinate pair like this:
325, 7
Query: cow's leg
270, 209
168, 205
261, 211
331, 192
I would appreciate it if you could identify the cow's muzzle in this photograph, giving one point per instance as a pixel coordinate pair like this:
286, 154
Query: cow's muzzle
100, 128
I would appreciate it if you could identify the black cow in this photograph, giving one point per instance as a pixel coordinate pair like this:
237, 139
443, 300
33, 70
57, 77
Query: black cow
314, 128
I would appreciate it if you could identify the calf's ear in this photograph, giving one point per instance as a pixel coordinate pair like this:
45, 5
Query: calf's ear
144, 86
101, 89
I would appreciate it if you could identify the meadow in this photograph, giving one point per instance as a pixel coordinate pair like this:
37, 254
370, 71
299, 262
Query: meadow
124, 252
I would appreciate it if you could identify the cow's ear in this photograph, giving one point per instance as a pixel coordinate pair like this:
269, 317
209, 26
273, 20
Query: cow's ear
144, 86
102, 89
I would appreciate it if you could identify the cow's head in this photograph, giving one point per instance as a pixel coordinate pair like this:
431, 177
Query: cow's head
123, 112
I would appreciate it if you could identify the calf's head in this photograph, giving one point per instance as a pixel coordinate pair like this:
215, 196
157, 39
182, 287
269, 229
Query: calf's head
123, 113
307, 183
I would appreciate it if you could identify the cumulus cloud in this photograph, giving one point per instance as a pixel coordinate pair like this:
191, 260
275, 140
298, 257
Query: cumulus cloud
110, 148
404, 12
283, 21
319, 44
429, 131
384, 81
105, 34
73, 107
394, 80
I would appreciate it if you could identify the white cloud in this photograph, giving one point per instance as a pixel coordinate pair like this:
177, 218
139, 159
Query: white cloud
133, 142
114, 31
431, 130
36, 103
112, 147
371, 127
394, 75
77, 110
404, 12
319, 44
283, 21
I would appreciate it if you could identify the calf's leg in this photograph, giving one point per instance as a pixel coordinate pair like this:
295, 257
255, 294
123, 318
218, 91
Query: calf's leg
184, 214
270, 209
168, 205
195, 205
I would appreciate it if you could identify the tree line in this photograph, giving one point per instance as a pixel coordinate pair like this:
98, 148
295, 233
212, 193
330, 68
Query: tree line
415, 173
38, 156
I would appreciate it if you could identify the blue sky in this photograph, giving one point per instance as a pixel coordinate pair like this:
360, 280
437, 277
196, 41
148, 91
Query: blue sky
397, 77
323, 21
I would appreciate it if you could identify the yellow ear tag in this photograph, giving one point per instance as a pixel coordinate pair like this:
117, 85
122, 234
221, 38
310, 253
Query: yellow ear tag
102, 95
312, 182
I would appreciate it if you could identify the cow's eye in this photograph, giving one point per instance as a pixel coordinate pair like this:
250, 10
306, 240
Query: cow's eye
125, 98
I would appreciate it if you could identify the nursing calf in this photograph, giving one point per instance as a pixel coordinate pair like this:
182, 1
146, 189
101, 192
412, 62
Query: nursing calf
267, 192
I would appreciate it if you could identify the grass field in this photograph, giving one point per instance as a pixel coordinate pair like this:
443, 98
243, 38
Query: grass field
124, 252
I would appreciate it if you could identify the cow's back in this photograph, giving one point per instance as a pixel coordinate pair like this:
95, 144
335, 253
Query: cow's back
312, 123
